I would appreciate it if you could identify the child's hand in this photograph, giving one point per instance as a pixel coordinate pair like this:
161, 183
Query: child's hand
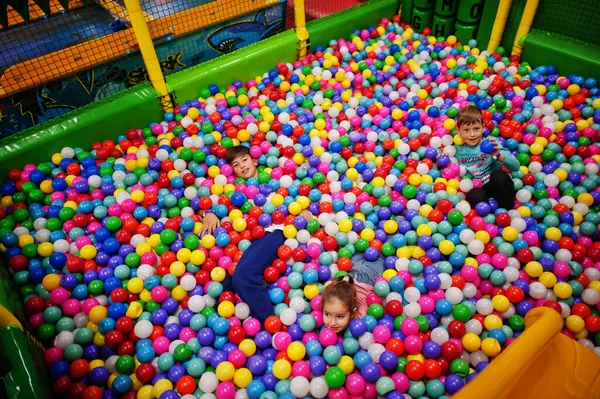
209, 223
496, 147
306, 214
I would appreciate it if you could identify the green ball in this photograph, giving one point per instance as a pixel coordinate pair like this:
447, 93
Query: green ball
402, 361
409, 191
125, 364
113, 224
207, 311
84, 336
96, 287
461, 313
335, 377
455, 217
168, 236
182, 353
65, 324
459, 367
423, 323
375, 310
46, 331
52, 314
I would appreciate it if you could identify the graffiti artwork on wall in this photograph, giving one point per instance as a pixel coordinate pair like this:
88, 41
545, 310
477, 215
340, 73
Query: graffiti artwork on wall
54, 99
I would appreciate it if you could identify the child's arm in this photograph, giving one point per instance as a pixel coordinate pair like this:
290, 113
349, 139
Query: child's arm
210, 222
504, 156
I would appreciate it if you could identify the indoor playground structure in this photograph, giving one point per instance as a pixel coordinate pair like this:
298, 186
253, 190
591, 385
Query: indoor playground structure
348, 108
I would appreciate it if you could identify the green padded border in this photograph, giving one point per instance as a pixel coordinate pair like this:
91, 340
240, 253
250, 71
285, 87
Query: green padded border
486, 23
104, 119
568, 55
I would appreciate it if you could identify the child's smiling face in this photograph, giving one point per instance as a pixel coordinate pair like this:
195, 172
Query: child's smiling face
245, 166
471, 133
336, 315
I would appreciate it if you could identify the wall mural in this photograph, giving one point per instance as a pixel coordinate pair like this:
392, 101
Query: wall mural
54, 99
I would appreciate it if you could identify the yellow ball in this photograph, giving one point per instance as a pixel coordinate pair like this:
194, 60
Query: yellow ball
368, 234
134, 310
97, 314
563, 290
218, 274
45, 249
282, 369
311, 291
294, 208
135, 285
446, 247
225, 371
553, 233
178, 293
510, 233
346, 364
501, 303
585, 198
548, 279
88, 252
471, 342
390, 226
162, 386
248, 347
177, 268
183, 255
197, 258
490, 347
296, 351
290, 231
534, 269
242, 377
345, 226
492, 321
51, 282
226, 309
575, 323
208, 241
424, 230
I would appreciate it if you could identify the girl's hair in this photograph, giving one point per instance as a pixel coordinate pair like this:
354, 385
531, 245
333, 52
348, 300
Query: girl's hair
342, 289
469, 115
235, 152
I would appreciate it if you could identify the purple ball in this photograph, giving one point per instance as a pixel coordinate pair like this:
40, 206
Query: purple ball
317, 365
257, 364
371, 372
388, 360
431, 349
453, 383
263, 339
176, 372
357, 327
206, 336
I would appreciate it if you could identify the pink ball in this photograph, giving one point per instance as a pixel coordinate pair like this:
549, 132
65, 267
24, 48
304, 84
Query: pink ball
226, 170
234, 321
355, 384
237, 358
409, 326
301, 368
226, 390
313, 250
381, 334
427, 304
413, 344
58, 296
373, 298
37, 320
327, 337
53, 355
469, 273
88, 304
281, 341
186, 334
401, 382
283, 284
370, 391
309, 336
499, 260
339, 393
318, 315
251, 326
149, 258
561, 270
159, 294
161, 345
71, 307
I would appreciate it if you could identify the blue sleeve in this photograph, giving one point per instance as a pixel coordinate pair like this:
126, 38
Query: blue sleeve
510, 161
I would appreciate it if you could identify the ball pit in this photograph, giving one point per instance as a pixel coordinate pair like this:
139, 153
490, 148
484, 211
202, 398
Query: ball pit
104, 244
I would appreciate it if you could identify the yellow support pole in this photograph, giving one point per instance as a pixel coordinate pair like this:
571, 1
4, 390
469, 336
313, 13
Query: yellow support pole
300, 27
148, 53
499, 24
525, 25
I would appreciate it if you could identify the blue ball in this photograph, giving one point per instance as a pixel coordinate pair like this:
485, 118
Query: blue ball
486, 146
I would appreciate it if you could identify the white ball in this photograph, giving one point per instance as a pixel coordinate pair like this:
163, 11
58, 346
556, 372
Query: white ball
454, 295
298, 304
196, 303
64, 339
590, 296
242, 311
563, 255
412, 310
110, 363
439, 335
318, 387
446, 281
187, 282
412, 294
287, 316
466, 236
537, 290
476, 247
145, 271
366, 340
511, 273
143, 329
523, 195
208, 382
81, 320
484, 307
469, 290
474, 326
466, 185
478, 357
299, 387
375, 351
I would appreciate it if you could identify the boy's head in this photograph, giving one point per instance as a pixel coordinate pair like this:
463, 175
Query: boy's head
242, 162
339, 303
469, 124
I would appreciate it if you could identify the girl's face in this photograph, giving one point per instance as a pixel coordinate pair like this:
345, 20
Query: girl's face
336, 315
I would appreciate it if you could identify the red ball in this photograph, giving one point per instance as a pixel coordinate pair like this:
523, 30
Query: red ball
553, 305
145, 372
113, 339
592, 324
236, 334
271, 274
272, 324
62, 386
394, 308
515, 294
581, 309
450, 351
79, 368
92, 392
457, 329
395, 345
415, 370
186, 385
432, 368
